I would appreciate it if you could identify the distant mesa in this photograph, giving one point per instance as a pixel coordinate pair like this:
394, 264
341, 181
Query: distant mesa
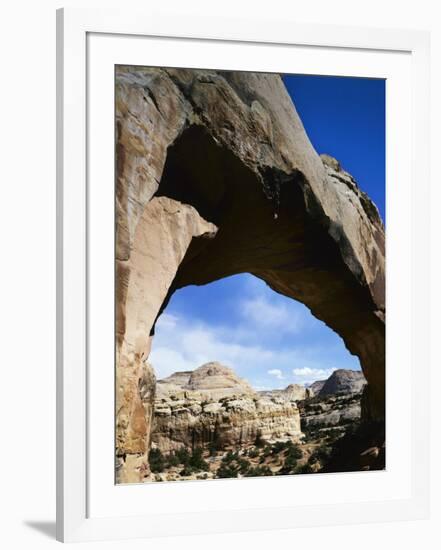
213, 379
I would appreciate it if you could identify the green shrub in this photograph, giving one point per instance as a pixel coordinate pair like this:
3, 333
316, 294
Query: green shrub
186, 471
227, 470
253, 453
259, 471
156, 461
230, 456
196, 460
294, 451
290, 463
279, 446
243, 465
183, 456
232, 465
305, 469
172, 460
267, 451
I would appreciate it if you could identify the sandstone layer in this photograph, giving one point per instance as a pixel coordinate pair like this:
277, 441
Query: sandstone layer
216, 176
212, 407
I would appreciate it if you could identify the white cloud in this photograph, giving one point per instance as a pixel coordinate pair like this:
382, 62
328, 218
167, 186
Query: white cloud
186, 345
167, 321
166, 361
277, 373
260, 341
304, 371
307, 374
264, 314
181, 343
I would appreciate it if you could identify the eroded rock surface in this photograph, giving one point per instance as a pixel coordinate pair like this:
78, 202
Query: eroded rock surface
212, 407
336, 401
329, 411
163, 234
216, 176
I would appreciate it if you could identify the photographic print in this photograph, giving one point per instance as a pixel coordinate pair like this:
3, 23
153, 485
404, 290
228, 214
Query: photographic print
249, 274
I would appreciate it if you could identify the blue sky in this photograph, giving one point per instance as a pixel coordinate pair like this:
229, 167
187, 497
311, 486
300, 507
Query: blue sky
269, 339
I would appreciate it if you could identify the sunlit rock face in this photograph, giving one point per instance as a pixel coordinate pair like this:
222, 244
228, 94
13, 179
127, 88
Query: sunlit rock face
213, 407
216, 176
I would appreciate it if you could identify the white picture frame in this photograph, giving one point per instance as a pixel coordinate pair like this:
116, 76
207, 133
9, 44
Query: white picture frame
78, 517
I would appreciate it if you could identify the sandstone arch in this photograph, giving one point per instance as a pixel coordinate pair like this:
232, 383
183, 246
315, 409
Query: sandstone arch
216, 176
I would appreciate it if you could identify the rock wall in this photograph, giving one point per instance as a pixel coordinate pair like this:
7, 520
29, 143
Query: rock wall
212, 407
324, 412
216, 176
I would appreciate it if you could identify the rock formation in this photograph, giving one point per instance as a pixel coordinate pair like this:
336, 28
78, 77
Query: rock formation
343, 381
213, 407
325, 412
335, 402
216, 176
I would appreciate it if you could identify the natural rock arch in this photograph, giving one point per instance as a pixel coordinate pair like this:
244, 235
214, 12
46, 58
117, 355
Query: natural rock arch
216, 176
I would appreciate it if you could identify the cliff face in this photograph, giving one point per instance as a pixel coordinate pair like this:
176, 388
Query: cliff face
213, 408
327, 411
216, 176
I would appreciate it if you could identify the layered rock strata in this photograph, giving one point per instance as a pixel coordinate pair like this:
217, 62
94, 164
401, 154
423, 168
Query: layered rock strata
213, 408
336, 403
